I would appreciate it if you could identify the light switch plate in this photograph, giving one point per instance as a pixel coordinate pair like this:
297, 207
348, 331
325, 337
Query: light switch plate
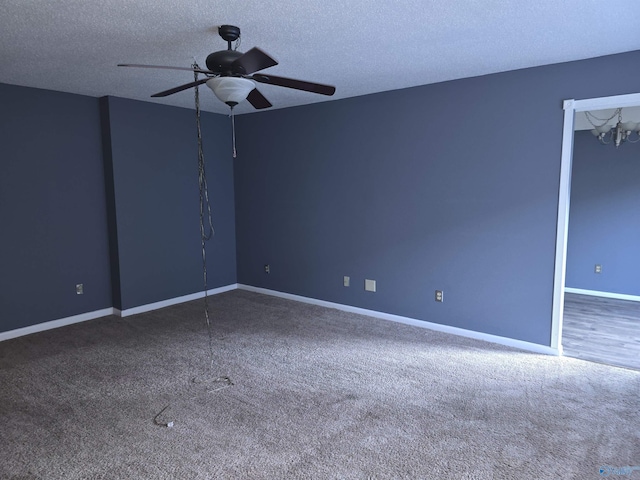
370, 285
346, 281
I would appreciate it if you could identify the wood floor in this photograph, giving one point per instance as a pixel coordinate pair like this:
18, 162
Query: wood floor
602, 330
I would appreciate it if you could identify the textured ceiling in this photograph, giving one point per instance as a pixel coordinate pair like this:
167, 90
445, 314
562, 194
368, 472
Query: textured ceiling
360, 46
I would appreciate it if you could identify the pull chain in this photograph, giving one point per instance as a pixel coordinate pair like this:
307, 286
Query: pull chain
233, 132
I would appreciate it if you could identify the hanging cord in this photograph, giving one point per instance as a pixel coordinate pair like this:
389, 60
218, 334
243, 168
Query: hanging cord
233, 120
217, 383
204, 237
204, 201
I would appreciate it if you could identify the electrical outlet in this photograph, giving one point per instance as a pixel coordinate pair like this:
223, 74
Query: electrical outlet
346, 281
79, 289
598, 269
370, 285
439, 296
267, 269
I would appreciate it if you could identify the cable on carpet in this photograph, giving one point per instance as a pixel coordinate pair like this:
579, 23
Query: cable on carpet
211, 386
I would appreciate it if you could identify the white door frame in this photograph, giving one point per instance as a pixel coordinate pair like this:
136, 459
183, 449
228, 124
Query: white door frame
570, 108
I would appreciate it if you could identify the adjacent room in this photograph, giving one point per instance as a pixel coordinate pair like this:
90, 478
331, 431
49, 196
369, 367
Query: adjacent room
602, 314
320, 240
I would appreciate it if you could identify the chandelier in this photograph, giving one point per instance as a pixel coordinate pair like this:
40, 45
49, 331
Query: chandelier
619, 133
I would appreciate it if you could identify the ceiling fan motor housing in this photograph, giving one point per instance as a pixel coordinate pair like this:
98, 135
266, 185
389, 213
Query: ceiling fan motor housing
222, 62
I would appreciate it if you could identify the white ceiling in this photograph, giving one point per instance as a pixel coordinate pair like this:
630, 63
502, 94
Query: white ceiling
360, 46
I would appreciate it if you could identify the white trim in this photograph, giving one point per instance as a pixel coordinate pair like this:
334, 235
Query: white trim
532, 347
564, 193
173, 301
83, 317
602, 103
596, 293
562, 229
41, 327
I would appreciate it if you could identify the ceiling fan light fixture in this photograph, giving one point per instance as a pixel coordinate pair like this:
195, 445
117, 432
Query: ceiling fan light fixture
618, 134
231, 90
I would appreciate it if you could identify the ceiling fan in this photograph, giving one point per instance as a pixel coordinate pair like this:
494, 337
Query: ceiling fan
231, 74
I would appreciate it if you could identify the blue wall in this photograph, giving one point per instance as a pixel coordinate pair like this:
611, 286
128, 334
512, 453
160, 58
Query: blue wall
105, 193
604, 220
452, 186
154, 201
52, 207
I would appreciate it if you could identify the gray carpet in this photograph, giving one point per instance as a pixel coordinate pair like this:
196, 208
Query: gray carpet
318, 393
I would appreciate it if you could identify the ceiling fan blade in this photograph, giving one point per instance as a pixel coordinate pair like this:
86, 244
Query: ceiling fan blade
292, 83
180, 88
188, 69
258, 100
254, 60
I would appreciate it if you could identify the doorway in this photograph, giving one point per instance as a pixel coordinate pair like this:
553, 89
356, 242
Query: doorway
571, 107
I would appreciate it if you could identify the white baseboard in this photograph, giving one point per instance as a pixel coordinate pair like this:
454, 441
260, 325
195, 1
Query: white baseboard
595, 293
83, 317
531, 347
173, 301
41, 327
520, 344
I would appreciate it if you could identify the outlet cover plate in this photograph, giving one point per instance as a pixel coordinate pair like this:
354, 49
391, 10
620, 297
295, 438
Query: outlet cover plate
439, 296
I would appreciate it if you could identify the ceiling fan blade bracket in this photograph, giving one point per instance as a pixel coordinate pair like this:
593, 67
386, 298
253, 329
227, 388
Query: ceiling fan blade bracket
252, 61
